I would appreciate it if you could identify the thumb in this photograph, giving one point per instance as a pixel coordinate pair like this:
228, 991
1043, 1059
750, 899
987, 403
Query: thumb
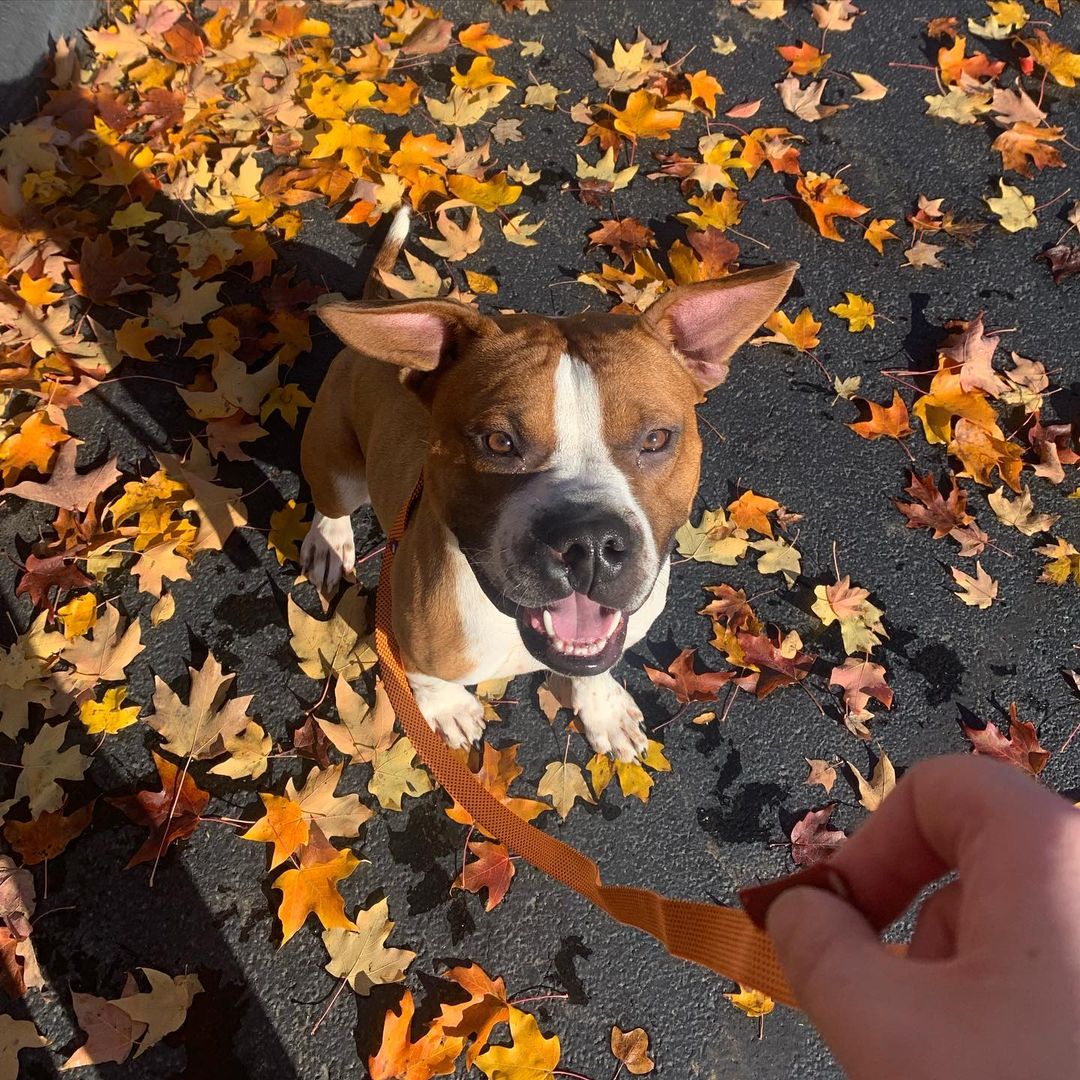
834, 961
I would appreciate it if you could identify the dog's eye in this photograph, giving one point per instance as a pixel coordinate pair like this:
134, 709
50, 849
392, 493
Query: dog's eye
498, 442
656, 440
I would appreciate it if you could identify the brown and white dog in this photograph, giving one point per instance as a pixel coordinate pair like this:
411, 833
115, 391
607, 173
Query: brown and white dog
560, 455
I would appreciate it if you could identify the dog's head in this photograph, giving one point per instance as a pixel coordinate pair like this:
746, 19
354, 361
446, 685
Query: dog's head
564, 452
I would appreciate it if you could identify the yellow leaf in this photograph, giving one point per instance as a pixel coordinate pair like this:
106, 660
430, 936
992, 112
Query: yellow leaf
643, 116
752, 1002
132, 217
531, 1055
858, 312
37, 291
480, 74
78, 615
872, 792
354, 142
878, 231
487, 194
1014, 209
481, 283
714, 539
107, 716
713, 213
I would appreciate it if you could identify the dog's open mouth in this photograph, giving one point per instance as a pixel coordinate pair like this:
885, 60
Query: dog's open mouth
575, 635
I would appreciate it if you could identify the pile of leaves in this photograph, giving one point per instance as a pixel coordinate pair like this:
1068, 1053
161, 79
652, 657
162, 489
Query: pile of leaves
146, 218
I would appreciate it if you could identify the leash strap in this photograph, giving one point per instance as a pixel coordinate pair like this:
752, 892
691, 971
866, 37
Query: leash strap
723, 939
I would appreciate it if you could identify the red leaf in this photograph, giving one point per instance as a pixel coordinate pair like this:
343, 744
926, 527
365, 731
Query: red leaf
45, 574
155, 810
686, 684
492, 870
813, 840
1021, 748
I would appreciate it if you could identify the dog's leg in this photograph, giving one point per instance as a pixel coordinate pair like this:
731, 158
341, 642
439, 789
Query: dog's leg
612, 721
333, 465
449, 708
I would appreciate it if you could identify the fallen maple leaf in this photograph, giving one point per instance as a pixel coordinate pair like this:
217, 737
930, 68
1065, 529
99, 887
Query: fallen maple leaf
932, 510
530, 1054
813, 839
886, 421
163, 1008
979, 591
65, 487
564, 783
856, 311
750, 511
754, 1003
684, 682
492, 869
821, 772
309, 889
359, 954
398, 1056
802, 333
1020, 747
171, 814
1063, 562
1020, 513
714, 539
827, 198
872, 792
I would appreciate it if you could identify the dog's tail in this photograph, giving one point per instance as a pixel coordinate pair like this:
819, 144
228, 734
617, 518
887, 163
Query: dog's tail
392, 244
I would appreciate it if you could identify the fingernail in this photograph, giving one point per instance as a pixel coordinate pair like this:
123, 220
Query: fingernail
757, 899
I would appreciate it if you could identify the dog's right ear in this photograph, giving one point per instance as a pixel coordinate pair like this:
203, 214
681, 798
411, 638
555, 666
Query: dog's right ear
415, 335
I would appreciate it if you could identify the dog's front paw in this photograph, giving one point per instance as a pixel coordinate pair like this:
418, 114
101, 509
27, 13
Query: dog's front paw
612, 721
450, 709
328, 552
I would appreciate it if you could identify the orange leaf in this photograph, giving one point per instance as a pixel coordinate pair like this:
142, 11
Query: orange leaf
399, 1058
283, 825
684, 682
1021, 748
310, 889
827, 198
32, 446
478, 38
750, 511
803, 59
885, 420
704, 90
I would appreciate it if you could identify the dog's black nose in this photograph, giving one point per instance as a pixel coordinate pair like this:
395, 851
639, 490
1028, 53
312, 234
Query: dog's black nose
589, 551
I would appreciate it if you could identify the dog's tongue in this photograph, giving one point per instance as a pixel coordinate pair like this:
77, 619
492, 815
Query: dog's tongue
577, 618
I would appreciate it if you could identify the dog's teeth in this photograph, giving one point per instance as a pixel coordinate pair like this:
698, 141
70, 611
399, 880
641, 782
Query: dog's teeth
616, 624
549, 625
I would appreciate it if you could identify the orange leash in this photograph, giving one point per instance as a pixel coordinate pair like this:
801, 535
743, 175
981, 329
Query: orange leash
721, 938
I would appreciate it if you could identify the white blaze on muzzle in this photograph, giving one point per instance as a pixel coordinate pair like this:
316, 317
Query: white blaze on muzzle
580, 473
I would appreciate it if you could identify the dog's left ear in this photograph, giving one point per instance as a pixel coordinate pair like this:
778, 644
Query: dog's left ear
707, 321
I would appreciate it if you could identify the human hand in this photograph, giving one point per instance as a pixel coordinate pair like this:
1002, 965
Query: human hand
990, 986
